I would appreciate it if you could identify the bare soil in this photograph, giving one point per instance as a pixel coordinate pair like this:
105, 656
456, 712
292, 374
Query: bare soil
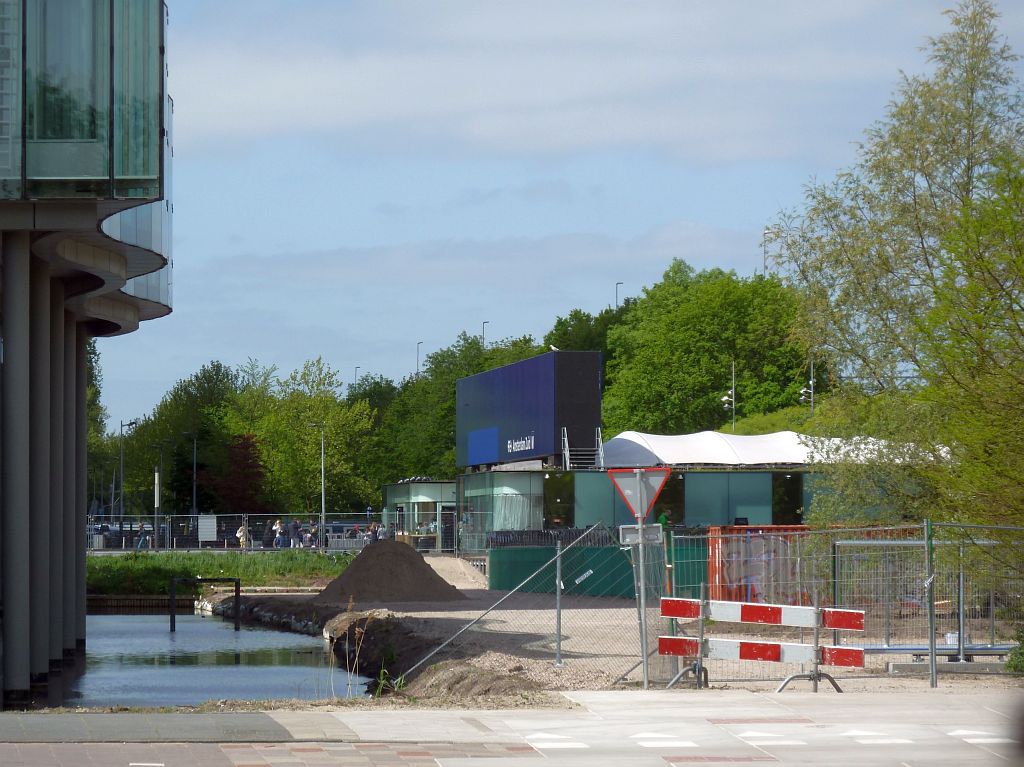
391, 608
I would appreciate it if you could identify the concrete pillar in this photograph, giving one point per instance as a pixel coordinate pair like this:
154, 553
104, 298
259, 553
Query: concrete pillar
81, 469
15, 437
69, 470
56, 505
39, 472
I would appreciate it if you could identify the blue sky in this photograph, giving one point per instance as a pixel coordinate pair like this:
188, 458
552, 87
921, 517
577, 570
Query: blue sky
351, 178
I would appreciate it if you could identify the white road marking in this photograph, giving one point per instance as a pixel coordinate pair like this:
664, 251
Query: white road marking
979, 741
650, 735
882, 741
145, 764
546, 736
755, 734
560, 744
960, 733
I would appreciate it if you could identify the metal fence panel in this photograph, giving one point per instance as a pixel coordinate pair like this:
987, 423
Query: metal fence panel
882, 571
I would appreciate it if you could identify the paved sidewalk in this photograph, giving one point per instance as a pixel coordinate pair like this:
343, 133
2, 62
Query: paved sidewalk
656, 728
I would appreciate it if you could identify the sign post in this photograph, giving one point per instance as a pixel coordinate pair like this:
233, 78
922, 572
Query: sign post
640, 488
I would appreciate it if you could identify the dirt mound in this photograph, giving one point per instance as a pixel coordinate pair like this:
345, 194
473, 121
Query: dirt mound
388, 571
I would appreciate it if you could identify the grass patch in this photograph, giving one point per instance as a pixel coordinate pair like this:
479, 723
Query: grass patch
151, 572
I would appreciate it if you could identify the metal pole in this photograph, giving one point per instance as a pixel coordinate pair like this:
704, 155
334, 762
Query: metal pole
418, 344
700, 633
195, 450
156, 507
961, 588
558, 604
641, 512
120, 498
238, 604
817, 641
172, 605
930, 594
323, 494
617, 294
734, 397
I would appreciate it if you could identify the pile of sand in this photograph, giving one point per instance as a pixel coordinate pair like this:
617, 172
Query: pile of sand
388, 571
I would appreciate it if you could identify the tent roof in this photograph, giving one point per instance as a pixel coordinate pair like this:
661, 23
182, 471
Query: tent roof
631, 448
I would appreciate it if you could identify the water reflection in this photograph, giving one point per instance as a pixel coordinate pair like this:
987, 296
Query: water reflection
134, 660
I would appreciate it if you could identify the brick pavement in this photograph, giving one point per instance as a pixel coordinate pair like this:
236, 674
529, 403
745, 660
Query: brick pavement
250, 754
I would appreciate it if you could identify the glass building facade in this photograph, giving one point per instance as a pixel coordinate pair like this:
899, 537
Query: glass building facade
81, 99
500, 501
85, 250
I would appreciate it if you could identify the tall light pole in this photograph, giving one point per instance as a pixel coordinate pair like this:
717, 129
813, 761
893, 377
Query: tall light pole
157, 493
729, 400
483, 333
322, 529
418, 345
130, 424
617, 294
355, 376
807, 393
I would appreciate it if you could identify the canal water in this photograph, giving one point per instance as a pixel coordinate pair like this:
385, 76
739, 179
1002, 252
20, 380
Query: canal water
134, 660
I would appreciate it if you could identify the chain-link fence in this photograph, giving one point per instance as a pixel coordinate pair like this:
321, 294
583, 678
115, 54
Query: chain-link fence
569, 602
975, 575
252, 532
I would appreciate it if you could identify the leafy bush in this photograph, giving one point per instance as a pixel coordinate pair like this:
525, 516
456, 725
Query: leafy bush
1015, 662
151, 573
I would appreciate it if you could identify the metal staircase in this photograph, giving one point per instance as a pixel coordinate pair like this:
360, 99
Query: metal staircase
591, 457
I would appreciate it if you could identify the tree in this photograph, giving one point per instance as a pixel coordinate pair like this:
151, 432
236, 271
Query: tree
582, 331
671, 356
906, 266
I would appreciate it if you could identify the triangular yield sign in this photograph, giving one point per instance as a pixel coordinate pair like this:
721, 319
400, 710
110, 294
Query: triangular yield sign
639, 488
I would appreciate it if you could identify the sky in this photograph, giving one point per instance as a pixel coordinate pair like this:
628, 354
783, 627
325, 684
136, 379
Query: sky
353, 178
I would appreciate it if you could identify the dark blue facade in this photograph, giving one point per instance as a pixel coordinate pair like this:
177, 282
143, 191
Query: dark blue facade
517, 412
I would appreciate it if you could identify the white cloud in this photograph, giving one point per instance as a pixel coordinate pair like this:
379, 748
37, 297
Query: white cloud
707, 81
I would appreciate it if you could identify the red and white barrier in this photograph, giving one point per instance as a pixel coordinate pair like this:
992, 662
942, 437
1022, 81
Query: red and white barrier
755, 612
775, 652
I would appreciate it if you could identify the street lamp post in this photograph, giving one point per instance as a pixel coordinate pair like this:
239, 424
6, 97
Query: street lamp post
321, 531
729, 400
130, 424
418, 345
617, 294
355, 376
158, 487
807, 393
483, 333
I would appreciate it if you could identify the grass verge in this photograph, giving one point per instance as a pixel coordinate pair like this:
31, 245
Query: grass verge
150, 573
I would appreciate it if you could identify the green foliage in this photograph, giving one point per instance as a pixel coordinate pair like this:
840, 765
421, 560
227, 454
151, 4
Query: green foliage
1015, 663
417, 433
151, 573
910, 265
672, 352
582, 331
793, 418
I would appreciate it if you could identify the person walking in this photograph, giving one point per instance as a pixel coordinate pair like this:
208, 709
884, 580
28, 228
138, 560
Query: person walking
296, 535
243, 537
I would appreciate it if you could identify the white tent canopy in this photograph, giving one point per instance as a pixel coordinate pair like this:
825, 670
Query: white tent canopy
631, 448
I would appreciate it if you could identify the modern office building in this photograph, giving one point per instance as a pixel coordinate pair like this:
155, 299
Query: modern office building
85, 225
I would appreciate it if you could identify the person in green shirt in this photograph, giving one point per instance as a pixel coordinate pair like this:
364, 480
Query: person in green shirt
663, 519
